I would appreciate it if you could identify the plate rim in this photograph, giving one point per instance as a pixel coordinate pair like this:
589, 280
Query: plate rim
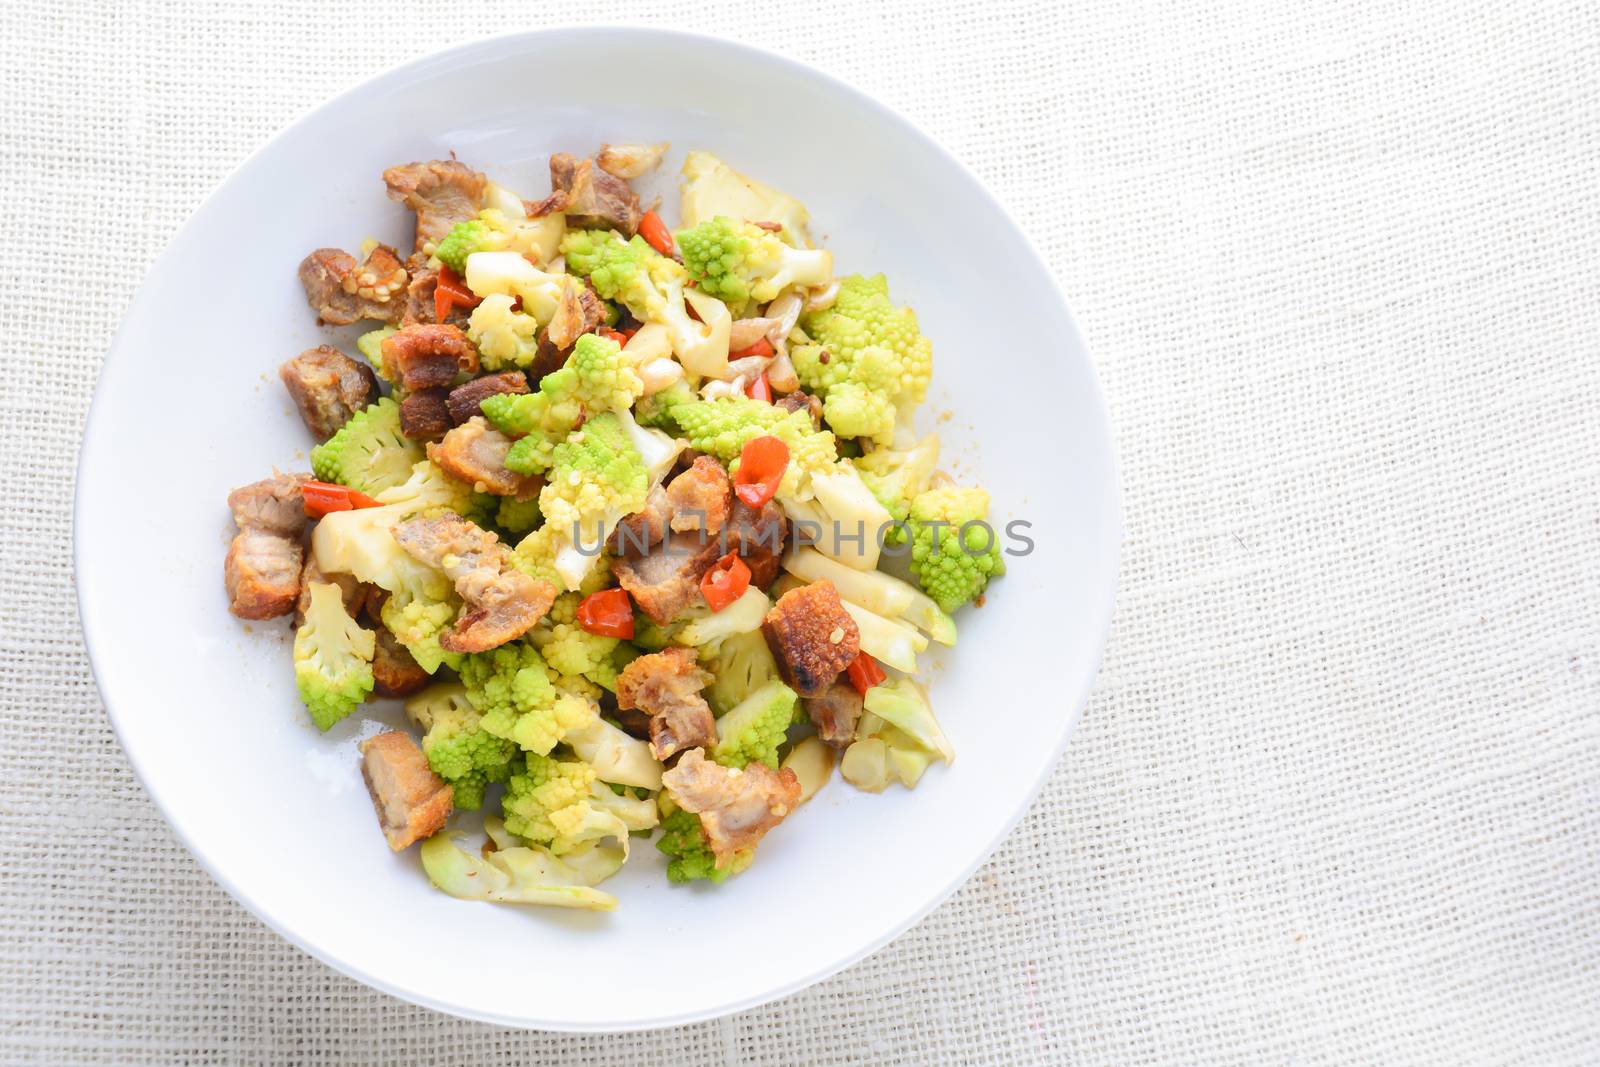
513, 41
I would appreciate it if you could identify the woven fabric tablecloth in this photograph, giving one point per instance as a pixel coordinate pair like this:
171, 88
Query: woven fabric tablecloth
1336, 798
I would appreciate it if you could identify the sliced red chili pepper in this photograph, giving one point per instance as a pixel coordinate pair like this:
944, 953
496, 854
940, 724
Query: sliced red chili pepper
725, 582
761, 467
864, 673
451, 292
613, 335
762, 347
321, 498
608, 613
653, 230
760, 389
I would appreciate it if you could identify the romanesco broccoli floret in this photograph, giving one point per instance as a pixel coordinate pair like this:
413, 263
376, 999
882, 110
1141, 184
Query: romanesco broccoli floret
332, 657
570, 649
511, 687
561, 803
739, 261
417, 618
951, 560
652, 288
458, 748
370, 345
505, 337
465, 238
755, 727
743, 663
724, 426
368, 453
515, 516
684, 840
430, 491
860, 321
596, 477
606, 378
657, 408
540, 420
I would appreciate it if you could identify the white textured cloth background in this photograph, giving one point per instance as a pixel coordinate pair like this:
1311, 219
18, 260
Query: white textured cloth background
1335, 798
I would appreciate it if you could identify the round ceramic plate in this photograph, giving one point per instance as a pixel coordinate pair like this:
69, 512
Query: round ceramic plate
205, 705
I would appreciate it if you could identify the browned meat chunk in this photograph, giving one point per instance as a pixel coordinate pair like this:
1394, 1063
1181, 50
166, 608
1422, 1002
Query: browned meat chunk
758, 535
666, 580
644, 528
352, 591
467, 400
701, 497
590, 197
502, 603
667, 684
394, 672
835, 713
328, 387
736, 807
442, 193
262, 568
474, 452
419, 303
811, 636
411, 801
428, 356
342, 291
425, 414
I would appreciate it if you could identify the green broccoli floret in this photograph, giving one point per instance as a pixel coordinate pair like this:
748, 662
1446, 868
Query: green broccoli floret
684, 839
458, 748
724, 426
465, 238
515, 516
739, 261
951, 564
865, 342
332, 657
511, 688
657, 408
368, 453
754, 729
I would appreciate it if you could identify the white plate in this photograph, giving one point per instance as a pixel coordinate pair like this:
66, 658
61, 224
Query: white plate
189, 406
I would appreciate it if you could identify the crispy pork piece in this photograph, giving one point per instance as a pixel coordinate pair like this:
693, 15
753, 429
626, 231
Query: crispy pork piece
442, 193
758, 535
701, 498
811, 636
342, 291
590, 197
502, 603
262, 568
328, 387
667, 684
425, 414
835, 712
645, 528
428, 356
666, 580
466, 401
394, 672
736, 807
411, 801
476, 452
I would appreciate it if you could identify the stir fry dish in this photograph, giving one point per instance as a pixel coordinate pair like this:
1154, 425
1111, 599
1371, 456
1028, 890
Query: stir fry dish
613, 507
